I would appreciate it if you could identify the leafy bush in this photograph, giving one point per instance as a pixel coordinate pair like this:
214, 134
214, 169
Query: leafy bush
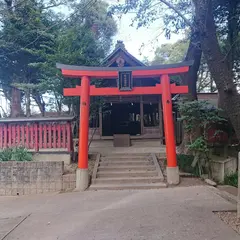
6, 154
198, 117
19, 154
185, 162
231, 179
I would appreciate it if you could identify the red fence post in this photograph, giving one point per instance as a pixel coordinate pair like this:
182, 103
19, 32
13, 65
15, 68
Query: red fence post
64, 135
27, 136
5, 128
59, 136
69, 137
9, 136
1, 136
49, 135
54, 136
14, 135
36, 137
22, 135
44, 135
18, 135
32, 136
40, 136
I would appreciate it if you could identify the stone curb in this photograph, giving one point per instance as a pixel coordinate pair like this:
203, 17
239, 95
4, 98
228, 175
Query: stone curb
227, 196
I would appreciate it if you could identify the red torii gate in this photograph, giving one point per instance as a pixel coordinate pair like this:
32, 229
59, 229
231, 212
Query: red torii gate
85, 91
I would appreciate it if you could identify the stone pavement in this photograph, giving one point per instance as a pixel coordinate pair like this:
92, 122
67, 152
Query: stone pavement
138, 146
182, 213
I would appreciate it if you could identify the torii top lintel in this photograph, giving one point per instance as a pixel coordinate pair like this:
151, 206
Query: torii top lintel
112, 72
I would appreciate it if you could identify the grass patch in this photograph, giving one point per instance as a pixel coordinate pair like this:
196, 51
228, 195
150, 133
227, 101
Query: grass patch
184, 163
231, 179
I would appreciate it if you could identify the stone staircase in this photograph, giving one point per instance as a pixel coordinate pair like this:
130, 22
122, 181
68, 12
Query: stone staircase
127, 171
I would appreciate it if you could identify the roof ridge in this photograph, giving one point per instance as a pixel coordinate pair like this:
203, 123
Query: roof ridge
120, 46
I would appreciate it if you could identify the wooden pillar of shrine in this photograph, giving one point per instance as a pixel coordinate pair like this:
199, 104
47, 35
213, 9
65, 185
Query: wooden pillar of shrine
160, 119
141, 115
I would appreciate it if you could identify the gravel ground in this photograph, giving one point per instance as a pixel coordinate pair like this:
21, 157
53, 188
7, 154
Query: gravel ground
230, 218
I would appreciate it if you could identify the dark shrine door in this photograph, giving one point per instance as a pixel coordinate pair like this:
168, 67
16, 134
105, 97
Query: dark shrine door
121, 118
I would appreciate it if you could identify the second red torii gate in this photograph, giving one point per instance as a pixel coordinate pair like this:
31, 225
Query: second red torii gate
164, 88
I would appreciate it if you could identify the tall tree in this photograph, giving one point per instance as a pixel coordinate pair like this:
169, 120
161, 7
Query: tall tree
220, 64
24, 43
176, 52
171, 52
33, 38
84, 39
214, 28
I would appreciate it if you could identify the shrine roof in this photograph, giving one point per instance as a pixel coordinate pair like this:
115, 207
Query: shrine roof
37, 119
120, 51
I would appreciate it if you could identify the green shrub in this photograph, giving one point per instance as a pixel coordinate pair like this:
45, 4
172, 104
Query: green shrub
185, 162
19, 154
6, 154
231, 179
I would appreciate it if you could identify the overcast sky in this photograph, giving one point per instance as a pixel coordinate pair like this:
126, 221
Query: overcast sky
133, 38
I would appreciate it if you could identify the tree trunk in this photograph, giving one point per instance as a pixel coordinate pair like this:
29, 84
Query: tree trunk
217, 62
28, 103
238, 204
41, 104
16, 109
194, 53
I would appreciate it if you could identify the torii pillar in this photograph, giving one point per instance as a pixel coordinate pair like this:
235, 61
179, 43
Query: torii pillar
82, 176
172, 167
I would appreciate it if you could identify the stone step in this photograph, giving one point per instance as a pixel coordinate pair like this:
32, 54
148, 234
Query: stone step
126, 168
128, 186
125, 158
120, 155
127, 180
126, 174
126, 163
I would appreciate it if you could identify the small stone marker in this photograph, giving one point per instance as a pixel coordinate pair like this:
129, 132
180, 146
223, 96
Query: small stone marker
210, 182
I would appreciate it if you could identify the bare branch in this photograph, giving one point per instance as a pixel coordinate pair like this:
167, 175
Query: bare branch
171, 6
53, 5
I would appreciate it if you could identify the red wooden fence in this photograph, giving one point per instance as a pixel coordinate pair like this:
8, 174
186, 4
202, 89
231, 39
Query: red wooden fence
42, 133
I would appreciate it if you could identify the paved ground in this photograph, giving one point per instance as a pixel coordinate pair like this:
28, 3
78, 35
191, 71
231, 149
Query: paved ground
183, 213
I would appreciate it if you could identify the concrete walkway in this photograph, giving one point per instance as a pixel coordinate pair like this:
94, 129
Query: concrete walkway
183, 213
